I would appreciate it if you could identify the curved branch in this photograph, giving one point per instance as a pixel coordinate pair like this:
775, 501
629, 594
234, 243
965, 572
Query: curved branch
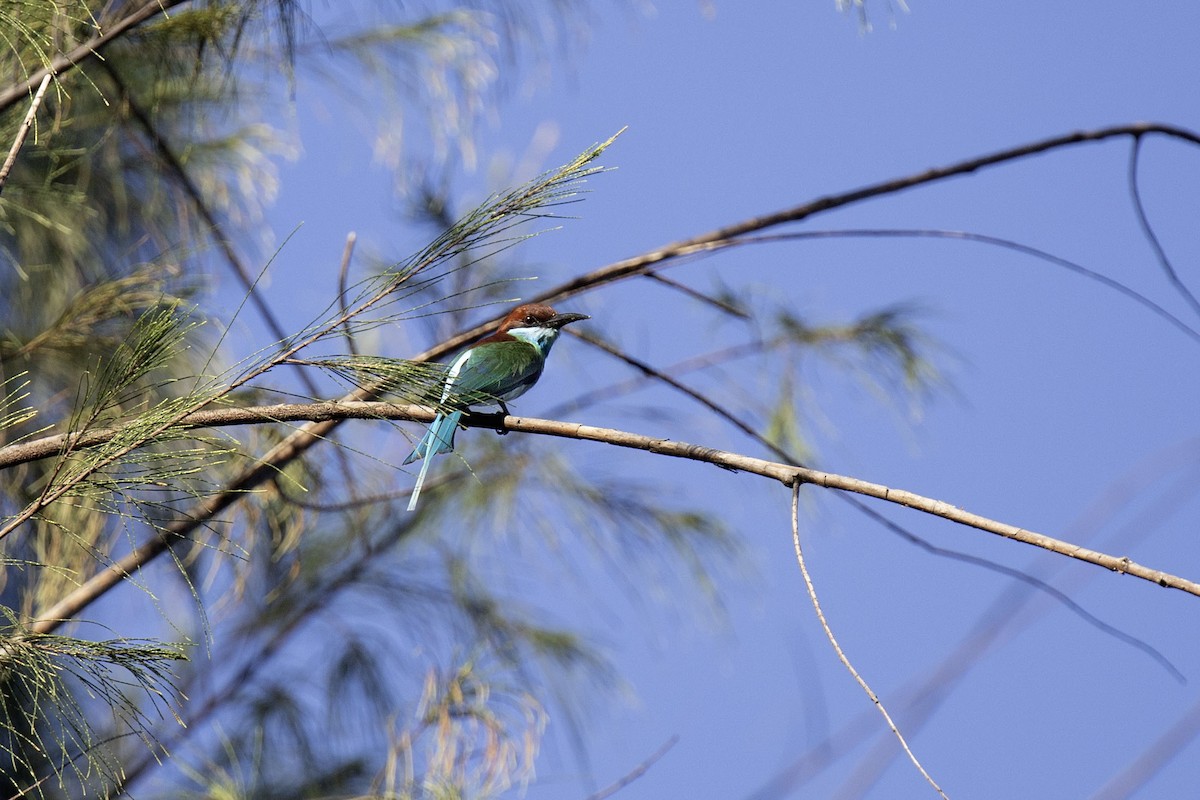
1148, 230
995, 241
735, 234
841, 654
724, 237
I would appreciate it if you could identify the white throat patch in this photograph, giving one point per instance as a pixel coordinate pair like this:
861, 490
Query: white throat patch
541, 338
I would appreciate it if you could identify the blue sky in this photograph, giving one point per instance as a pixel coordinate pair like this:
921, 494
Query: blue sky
1064, 393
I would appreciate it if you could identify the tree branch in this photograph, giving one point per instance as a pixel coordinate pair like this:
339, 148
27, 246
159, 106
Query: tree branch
324, 416
837, 648
65, 62
216, 231
23, 131
636, 772
878, 517
731, 235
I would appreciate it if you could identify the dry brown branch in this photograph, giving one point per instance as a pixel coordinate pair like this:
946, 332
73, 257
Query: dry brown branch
837, 648
731, 235
323, 417
909, 536
23, 131
787, 474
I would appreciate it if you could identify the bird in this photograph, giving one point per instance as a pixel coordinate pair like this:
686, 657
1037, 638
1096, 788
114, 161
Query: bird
499, 367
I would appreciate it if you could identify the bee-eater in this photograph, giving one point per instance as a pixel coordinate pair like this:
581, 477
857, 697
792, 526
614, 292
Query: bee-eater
502, 366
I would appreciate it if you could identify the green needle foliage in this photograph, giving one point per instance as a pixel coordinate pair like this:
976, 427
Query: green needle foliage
338, 646
48, 737
127, 469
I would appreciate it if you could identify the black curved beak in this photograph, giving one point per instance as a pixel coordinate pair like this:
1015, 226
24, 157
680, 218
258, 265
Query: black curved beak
558, 320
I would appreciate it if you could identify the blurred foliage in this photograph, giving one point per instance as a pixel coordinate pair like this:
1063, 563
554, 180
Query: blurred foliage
339, 646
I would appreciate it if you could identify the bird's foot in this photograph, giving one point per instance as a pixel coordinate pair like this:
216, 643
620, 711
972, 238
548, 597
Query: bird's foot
498, 419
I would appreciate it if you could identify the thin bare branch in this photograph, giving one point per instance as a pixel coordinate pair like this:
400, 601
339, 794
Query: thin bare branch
636, 772
1006, 616
331, 414
731, 235
724, 306
23, 131
343, 276
1144, 220
982, 238
812, 596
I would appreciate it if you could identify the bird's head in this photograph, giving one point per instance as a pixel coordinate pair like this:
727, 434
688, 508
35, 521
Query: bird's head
535, 315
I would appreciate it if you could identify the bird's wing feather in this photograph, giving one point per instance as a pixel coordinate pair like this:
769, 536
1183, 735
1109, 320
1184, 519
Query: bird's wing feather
500, 369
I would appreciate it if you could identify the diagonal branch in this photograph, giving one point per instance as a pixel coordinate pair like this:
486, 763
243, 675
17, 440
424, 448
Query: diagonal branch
23, 131
65, 62
730, 235
879, 518
790, 474
216, 231
734, 235
636, 772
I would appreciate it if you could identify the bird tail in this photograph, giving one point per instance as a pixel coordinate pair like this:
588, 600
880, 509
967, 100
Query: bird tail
438, 439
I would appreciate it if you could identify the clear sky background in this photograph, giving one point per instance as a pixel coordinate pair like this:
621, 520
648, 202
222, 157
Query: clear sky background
1070, 409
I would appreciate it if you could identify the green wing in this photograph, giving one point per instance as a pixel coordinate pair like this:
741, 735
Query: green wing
502, 370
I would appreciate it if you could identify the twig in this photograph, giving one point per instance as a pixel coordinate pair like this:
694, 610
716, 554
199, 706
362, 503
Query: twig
23, 131
343, 276
1148, 230
981, 238
812, 596
724, 306
636, 772
1006, 616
